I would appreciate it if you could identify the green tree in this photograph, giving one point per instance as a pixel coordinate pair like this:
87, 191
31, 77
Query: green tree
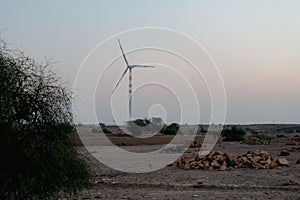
172, 129
233, 134
137, 126
38, 158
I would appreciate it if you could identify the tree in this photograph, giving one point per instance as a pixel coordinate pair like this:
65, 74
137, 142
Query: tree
172, 129
142, 126
233, 134
38, 158
137, 126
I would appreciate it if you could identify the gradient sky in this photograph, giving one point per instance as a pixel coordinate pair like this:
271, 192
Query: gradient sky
255, 43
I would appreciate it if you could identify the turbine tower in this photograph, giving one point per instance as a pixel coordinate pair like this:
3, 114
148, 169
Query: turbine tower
128, 67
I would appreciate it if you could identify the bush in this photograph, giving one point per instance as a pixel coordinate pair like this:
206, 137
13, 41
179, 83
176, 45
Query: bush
38, 159
233, 134
122, 134
172, 129
105, 130
201, 130
263, 137
96, 130
102, 125
138, 126
249, 142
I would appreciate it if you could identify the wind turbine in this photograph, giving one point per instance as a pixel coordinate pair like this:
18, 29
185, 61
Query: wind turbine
128, 67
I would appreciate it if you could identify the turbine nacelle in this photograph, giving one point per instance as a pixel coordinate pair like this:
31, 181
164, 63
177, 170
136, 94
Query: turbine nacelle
130, 76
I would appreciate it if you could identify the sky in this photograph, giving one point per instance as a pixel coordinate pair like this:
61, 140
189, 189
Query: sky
250, 46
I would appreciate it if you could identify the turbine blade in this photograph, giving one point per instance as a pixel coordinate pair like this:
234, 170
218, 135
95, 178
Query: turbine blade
149, 66
120, 80
123, 53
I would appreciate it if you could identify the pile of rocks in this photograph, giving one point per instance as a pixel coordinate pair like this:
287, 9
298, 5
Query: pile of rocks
214, 160
260, 160
223, 161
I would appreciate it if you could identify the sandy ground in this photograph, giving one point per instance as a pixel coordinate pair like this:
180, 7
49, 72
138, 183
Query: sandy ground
175, 183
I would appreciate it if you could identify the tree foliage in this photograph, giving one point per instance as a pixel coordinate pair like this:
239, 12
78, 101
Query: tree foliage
38, 159
233, 134
172, 129
142, 126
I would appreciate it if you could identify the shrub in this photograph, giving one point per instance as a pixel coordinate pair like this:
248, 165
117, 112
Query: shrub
141, 126
122, 134
201, 130
137, 126
264, 137
96, 130
233, 134
250, 142
38, 159
172, 129
105, 130
102, 125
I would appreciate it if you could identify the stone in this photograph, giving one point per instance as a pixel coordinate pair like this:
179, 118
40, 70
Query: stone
283, 162
223, 167
256, 158
215, 164
298, 161
198, 185
186, 166
258, 166
273, 164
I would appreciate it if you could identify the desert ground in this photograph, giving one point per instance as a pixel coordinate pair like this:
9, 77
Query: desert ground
171, 182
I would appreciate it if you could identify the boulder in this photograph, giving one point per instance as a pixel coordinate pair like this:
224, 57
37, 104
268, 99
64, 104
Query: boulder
283, 162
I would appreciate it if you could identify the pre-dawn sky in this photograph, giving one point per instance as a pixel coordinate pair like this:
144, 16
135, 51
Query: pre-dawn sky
255, 44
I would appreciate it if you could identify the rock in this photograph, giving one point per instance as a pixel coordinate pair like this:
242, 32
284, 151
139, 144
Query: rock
284, 153
223, 167
186, 166
273, 164
215, 164
260, 152
283, 162
258, 166
228, 156
256, 158
198, 185
298, 161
